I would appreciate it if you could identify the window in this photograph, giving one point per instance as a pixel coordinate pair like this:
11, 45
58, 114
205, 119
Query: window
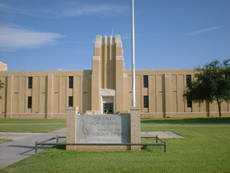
30, 82
188, 80
29, 103
146, 101
70, 81
70, 101
188, 83
146, 81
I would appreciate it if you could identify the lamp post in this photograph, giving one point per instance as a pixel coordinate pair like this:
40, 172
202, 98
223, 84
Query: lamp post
133, 57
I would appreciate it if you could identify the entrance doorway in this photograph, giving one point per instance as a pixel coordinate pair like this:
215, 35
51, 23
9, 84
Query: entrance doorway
108, 108
107, 105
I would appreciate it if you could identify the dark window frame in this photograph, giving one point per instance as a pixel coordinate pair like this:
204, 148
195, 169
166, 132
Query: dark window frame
29, 102
71, 81
146, 101
30, 82
188, 79
70, 101
188, 83
145, 81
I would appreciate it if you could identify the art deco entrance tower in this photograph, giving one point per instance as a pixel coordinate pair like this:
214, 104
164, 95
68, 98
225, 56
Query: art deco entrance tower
107, 74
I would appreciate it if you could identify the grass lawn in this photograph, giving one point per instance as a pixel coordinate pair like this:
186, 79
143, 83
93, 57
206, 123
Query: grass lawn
30, 125
2, 140
205, 149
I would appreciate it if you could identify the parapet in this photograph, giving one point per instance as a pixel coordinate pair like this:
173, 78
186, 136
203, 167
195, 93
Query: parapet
108, 40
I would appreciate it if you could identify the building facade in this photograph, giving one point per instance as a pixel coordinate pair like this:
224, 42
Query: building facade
106, 88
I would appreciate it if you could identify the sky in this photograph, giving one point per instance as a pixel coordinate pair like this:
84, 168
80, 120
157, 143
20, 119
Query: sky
47, 35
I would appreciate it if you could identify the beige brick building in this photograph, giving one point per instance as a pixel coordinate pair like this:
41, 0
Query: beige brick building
106, 88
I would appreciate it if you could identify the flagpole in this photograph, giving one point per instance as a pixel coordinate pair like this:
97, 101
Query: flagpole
133, 57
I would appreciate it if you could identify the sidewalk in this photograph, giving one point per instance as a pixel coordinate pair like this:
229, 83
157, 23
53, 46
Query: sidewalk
21, 147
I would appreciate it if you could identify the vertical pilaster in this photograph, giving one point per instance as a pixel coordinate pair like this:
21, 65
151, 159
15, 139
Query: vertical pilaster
9, 96
49, 106
119, 74
152, 94
105, 68
96, 84
180, 92
112, 64
35, 94
60, 92
42, 97
97, 68
119, 85
164, 95
77, 93
167, 96
22, 94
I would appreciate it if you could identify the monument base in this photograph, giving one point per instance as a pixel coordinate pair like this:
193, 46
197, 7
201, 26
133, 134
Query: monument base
116, 132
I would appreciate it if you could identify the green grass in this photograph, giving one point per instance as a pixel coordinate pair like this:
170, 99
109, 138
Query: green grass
203, 121
205, 149
2, 140
30, 125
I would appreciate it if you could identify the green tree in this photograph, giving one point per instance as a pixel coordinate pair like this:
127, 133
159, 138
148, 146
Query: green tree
1, 84
200, 91
221, 79
212, 83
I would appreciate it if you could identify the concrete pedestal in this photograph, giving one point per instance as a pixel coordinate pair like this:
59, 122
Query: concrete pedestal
104, 134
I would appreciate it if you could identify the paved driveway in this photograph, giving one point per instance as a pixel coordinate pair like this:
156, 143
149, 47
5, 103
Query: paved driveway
21, 146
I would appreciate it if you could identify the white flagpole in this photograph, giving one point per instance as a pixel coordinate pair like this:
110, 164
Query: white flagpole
133, 57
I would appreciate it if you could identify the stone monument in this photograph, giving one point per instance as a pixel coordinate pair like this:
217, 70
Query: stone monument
109, 132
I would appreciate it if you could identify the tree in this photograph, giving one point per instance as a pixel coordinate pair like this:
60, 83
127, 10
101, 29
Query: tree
212, 83
221, 78
200, 91
1, 84
223, 83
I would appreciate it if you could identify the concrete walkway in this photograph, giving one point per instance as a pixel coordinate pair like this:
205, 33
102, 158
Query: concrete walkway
22, 146
161, 134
